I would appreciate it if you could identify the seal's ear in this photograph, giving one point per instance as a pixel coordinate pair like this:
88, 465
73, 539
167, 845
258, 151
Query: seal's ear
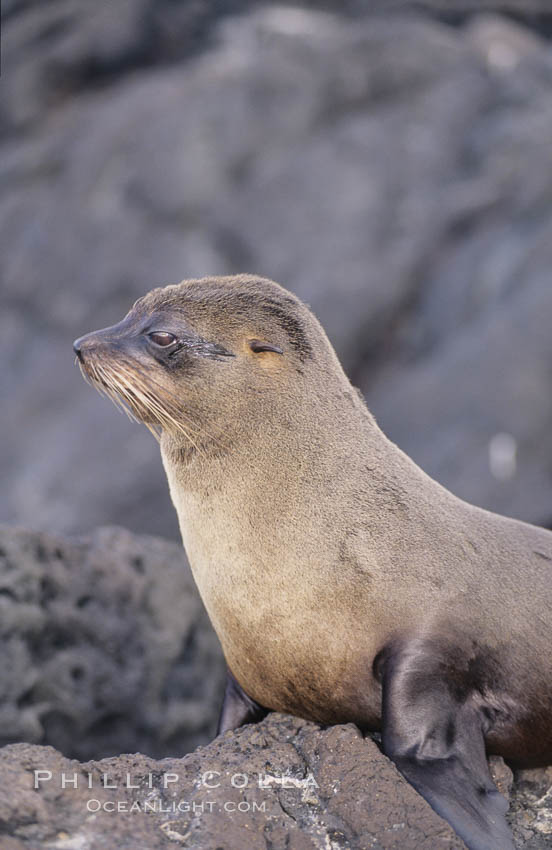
257, 345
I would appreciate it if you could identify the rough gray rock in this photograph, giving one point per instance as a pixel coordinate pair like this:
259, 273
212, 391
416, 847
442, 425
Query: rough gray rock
393, 170
283, 783
323, 789
531, 808
106, 646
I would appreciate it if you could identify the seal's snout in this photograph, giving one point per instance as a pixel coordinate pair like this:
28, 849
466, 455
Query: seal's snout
83, 344
103, 342
92, 342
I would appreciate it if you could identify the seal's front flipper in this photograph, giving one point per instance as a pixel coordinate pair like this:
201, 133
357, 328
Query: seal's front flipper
237, 707
433, 730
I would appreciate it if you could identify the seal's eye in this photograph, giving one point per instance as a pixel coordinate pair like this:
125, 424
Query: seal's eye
162, 338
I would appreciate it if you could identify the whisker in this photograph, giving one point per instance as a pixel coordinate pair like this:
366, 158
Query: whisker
130, 388
203, 431
163, 413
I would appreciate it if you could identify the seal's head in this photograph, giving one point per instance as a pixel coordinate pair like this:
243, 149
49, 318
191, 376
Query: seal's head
189, 359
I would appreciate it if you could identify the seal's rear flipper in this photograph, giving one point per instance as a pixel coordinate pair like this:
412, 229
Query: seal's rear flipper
237, 707
433, 731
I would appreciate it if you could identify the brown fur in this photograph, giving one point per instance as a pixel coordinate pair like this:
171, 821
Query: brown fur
314, 540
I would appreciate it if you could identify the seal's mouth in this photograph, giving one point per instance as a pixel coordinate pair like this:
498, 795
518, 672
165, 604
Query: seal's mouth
123, 384
134, 391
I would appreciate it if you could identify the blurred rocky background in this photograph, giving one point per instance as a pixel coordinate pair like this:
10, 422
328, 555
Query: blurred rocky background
390, 162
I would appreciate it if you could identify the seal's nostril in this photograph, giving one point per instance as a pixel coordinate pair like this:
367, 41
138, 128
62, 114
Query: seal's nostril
77, 347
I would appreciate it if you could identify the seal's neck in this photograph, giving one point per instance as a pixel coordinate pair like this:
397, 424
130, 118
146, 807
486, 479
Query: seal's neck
331, 449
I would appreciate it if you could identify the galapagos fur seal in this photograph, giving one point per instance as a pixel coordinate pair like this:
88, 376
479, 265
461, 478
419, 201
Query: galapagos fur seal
344, 583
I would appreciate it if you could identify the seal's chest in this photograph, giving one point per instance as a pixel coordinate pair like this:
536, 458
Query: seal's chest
287, 639
285, 651
241, 573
